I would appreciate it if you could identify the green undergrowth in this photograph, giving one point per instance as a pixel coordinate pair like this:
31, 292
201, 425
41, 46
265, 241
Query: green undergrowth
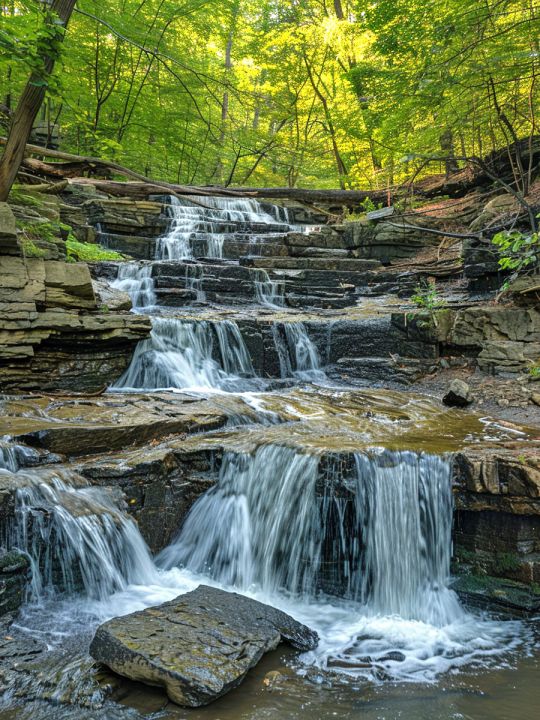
18, 196
31, 250
89, 252
44, 231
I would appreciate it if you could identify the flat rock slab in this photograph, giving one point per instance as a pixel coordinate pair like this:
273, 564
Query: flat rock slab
198, 646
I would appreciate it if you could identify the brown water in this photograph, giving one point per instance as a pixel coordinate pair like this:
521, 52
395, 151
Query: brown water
272, 691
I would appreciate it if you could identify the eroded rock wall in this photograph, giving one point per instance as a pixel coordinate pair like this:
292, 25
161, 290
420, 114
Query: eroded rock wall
53, 333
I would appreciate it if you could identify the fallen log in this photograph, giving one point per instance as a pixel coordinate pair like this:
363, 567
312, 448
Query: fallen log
75, 165
139, 191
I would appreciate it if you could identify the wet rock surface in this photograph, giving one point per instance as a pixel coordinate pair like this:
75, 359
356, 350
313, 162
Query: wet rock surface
14, 576
198, 646
458, 395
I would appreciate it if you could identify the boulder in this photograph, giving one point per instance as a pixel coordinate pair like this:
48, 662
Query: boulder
198, 646
110, 297
458, 394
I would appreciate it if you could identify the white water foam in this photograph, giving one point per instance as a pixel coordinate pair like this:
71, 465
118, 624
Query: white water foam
298, 355
136, 280
190, 355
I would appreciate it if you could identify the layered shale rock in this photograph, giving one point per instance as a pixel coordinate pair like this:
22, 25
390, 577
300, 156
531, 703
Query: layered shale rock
198, 646
53, 333
504, 338
497, 499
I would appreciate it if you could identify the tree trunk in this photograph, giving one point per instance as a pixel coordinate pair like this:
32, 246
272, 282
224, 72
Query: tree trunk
446, 142
29, 105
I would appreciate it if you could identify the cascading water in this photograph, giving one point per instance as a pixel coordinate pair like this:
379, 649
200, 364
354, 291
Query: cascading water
268, 525
275, 528
272, 527
201, 225
298, 356
194, 281
136, 279
268, 292
77, 538
258, 528
8, 457
14, 456
184, 354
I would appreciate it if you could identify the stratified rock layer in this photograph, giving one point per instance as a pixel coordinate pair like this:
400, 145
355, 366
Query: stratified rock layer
198, 646
53, 332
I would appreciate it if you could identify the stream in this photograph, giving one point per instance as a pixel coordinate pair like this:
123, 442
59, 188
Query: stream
362, 554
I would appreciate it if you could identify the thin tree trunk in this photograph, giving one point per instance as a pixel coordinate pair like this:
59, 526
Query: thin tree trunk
29, 105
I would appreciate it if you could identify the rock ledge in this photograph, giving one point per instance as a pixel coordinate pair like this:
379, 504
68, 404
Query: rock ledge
198, 646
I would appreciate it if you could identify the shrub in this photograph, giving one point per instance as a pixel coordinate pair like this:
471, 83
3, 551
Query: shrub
89, 252
518, 251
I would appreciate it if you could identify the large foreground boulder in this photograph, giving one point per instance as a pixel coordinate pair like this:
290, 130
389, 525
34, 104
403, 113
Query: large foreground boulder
198, 646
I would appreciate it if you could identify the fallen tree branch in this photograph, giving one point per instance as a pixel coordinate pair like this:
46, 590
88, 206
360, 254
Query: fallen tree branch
97, 163
76, 164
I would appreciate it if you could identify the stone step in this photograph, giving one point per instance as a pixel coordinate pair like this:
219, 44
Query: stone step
311, 263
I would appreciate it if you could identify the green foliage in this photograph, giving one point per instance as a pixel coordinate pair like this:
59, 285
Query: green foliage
534, 371
46, 231
89, 252
310, 94
426, 296
18, 196
505, 562
30, 249
518, 251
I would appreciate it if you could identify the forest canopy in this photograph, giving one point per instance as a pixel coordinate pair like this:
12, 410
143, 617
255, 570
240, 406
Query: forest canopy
304, 93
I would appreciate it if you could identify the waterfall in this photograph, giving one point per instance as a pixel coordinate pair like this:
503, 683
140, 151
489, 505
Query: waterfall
267, 525
404, 507
184, 354
8, 457
13, 457
268, 292
200, 225
136, 279
256, 527
76, 537
194, 281
298, 356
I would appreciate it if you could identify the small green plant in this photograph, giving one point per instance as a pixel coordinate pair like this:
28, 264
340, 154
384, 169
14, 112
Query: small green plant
89, 252
534, 370
368, 205
31, 250
427, 297
518, 251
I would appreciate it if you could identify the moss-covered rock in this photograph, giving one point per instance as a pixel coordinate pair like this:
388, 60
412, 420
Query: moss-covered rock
198, 646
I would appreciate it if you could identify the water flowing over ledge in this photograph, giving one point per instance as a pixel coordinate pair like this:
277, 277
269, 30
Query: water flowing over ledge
205, 355
277, 529
200, 225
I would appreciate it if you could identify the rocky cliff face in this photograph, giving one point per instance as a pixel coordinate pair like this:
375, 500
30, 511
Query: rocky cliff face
54, 334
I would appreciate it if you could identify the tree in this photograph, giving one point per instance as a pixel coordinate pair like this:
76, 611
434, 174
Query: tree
55, 22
